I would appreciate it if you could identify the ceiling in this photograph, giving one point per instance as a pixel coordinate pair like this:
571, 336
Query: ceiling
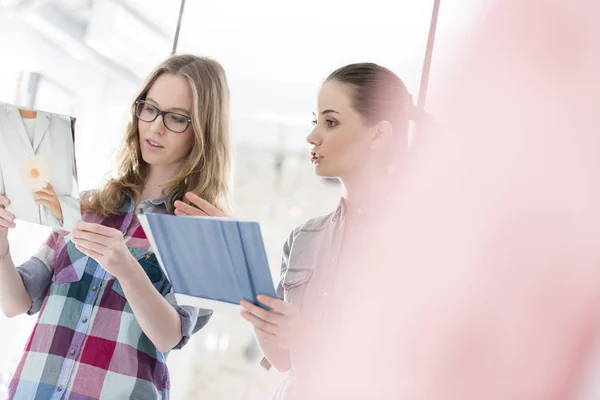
275, 53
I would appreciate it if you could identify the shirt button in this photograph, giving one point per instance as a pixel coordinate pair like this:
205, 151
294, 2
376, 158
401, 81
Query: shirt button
72, 352
84, 320
60, 388
325, 294
94, 288
141, 210
147, 256
359, 210
334, 259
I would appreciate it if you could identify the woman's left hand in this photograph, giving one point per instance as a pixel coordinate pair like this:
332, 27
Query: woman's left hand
200, 207
47, 197
106, 246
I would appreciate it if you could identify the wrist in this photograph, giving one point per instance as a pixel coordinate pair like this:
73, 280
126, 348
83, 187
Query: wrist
131, 273
4, 252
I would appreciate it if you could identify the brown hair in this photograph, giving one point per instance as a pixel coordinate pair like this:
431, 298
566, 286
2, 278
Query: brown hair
206, 171
378, 95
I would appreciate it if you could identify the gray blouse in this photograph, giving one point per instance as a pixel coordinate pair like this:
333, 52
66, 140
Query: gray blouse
315, 269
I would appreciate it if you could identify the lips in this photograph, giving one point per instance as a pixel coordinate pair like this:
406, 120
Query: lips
154, 144
315, 157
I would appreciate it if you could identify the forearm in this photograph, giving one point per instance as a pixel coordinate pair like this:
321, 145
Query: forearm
14, 298
277, 356
157, 318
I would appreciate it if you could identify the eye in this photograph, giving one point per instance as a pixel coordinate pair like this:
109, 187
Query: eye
178, 118
314, 122
331, 123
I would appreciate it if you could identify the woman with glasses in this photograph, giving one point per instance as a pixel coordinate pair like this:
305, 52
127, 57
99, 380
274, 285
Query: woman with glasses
107, 317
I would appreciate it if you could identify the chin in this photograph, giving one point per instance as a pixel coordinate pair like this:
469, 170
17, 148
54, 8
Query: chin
324, 173
147, 159
151, 159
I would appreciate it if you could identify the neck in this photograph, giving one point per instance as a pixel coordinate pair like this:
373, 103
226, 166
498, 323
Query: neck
29, 114
157, 178
369, 188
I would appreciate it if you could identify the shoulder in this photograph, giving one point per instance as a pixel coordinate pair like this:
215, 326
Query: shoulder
60, 123
316, 224
313, 225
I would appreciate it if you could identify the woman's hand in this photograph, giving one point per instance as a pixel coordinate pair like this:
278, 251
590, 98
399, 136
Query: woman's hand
106, 246
200, 207
47, 197
282, 326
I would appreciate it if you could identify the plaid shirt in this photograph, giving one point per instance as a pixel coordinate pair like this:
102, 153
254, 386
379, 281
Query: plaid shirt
87, 343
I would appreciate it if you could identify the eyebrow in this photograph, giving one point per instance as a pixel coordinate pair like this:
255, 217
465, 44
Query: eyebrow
171, 109
329, 111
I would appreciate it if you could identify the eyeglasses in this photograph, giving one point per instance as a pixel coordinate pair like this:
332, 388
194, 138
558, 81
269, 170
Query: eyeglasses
174, 122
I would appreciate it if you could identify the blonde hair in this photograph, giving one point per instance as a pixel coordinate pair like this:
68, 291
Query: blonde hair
206, 171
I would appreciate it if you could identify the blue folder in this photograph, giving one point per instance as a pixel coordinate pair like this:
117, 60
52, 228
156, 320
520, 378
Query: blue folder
212, 263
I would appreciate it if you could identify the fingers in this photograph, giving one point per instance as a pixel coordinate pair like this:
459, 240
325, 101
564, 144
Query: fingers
259, 323
88, 246
4, 201
181, 213
44, 203
48, 190
182, 208
43, 195
271, 317
262, 335
266, 337
6, 219
277, 305
96, 228
204, 205
90, 253
90, 237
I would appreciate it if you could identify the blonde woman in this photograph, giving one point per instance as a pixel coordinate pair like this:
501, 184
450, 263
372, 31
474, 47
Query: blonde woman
106, 314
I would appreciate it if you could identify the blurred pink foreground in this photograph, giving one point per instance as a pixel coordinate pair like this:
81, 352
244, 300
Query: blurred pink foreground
485, 284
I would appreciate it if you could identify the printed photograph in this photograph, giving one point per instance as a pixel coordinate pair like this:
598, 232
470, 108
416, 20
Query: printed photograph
37, 166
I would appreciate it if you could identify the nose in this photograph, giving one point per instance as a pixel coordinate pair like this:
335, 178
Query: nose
158, 126
314, 137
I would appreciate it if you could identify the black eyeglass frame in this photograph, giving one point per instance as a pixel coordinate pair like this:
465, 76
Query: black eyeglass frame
162, 114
